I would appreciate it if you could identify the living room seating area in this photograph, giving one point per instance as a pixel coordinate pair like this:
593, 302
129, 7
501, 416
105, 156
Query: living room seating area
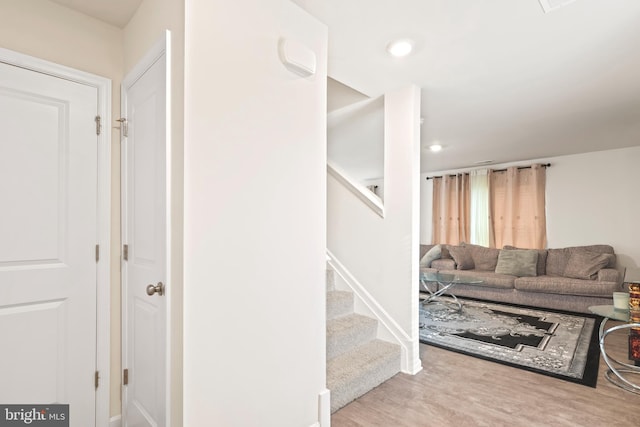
571, 278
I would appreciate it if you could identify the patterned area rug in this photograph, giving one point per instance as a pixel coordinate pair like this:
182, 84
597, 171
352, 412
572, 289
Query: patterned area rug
552, 343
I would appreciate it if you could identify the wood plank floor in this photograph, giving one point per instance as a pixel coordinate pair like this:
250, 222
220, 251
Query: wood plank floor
458, 390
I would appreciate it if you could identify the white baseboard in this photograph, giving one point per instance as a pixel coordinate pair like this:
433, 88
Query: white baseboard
410, 363
324, 408
417, 367
115, 421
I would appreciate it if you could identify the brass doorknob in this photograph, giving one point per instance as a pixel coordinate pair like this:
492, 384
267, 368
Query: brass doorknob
157, 289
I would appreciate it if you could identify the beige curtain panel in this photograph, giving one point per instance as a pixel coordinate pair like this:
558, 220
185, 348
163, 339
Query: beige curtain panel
451, 201
517, 207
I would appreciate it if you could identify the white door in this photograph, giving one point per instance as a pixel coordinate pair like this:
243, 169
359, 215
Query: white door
144, 234
48, 236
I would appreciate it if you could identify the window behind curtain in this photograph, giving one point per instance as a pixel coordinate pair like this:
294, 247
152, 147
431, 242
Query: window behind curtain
479, 215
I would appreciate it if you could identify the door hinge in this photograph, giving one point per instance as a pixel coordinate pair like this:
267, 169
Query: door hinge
97, 379
98, 120
125, 252
124, 126
97, 253
125, 377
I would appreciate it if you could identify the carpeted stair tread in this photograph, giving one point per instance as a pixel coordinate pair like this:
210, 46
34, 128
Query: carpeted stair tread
356, 360
339, 303
359, 370
346, 332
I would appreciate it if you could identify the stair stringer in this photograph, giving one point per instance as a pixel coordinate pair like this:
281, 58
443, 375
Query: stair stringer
388, 329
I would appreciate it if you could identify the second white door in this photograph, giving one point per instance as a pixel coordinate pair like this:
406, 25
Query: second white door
144, 269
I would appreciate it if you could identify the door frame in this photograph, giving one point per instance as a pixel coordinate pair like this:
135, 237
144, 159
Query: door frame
161, 47
103, 238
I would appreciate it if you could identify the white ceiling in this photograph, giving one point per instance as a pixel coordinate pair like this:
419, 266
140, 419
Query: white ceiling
501, 80
114, 12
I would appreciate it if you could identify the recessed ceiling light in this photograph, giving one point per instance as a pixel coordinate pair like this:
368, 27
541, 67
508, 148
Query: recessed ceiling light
400, 48
483, 162
435, 147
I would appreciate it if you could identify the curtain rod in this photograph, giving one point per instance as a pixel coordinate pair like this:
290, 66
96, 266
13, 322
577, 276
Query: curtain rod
545, 165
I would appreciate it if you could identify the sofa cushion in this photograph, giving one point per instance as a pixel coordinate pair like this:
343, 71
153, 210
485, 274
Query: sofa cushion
517, 262
565, 286
610, 275
445, 252
541, 267
585, 264
431, 255
558, 258
443, 264
462, 257
557, 261
484, 259
601, 249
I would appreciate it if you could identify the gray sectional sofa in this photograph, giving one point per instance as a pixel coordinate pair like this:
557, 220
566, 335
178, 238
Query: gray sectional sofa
570, 279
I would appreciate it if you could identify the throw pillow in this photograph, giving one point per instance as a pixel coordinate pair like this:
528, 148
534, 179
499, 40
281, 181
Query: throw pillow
585, 265
462, 257
432, 254
517, 262
484, 258
557, 261
541, 268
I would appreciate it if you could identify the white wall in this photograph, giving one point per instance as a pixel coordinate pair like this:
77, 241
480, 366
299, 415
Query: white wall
381, 253
55, 33
255, 217
594, 198
426, 208
355, 139
591, 198
146, 27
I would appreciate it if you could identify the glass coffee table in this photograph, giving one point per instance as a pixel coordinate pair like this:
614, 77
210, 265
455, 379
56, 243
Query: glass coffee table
617, 370
445, 282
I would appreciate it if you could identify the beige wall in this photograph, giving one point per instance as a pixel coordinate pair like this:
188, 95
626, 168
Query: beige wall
143, 31
48, 31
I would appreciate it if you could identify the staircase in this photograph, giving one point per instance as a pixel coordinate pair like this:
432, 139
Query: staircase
356, 361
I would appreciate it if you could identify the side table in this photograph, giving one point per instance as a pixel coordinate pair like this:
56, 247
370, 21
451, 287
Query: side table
617, 369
